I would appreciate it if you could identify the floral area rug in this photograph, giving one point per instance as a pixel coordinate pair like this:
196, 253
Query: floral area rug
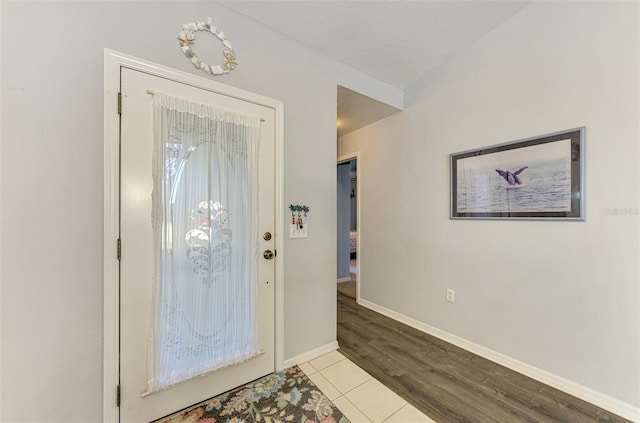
286, 396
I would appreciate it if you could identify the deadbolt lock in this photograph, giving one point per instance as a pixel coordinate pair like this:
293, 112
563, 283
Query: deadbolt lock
267, 236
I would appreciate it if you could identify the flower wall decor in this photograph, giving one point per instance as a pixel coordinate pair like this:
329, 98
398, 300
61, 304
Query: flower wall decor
187, 38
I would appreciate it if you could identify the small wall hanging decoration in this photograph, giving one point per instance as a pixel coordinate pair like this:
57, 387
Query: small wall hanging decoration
297, 228
538, 178
187, 38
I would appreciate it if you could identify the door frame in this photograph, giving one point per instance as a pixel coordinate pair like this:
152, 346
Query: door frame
343, 159
113, 62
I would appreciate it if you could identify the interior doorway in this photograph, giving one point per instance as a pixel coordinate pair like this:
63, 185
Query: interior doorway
354, 111
348, 227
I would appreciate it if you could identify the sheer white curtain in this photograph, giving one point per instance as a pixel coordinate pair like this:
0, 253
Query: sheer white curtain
205, 224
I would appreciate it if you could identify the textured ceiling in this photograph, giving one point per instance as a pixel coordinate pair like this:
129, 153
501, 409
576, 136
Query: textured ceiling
395, 41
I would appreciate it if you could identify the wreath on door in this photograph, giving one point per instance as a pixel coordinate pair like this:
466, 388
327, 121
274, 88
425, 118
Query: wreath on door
187, 38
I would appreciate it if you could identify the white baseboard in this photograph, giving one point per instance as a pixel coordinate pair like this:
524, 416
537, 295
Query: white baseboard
311, 354
345, 279
594, 397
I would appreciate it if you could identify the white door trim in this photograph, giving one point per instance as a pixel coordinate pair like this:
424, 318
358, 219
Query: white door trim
113, 62
347, 158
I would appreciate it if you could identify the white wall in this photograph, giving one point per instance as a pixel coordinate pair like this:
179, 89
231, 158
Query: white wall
52, 187
560, 296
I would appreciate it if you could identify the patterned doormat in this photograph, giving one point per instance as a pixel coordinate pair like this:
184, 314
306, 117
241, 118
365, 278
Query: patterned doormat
286, 396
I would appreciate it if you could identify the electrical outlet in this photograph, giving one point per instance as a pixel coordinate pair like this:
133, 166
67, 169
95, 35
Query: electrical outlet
451, 295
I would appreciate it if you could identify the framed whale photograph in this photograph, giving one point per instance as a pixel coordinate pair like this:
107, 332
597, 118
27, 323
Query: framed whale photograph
538, 178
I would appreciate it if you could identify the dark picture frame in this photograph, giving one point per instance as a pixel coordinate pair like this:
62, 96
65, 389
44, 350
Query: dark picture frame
537, 178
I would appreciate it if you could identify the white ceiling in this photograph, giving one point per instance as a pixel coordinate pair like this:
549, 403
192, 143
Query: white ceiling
356, 111
395, 41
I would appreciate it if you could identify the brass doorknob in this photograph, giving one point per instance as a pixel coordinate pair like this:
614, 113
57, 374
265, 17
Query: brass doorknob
268, 254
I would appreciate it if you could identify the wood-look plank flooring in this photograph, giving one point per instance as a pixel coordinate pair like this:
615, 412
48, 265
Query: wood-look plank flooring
447, 383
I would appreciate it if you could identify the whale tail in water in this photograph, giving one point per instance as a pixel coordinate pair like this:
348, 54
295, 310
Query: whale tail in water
511, 177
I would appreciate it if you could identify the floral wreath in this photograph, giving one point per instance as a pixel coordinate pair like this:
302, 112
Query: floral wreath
187, 37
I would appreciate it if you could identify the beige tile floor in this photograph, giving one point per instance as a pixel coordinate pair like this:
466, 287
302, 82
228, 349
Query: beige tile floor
360, 397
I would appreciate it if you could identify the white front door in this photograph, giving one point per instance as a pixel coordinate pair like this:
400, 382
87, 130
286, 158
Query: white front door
136, 265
